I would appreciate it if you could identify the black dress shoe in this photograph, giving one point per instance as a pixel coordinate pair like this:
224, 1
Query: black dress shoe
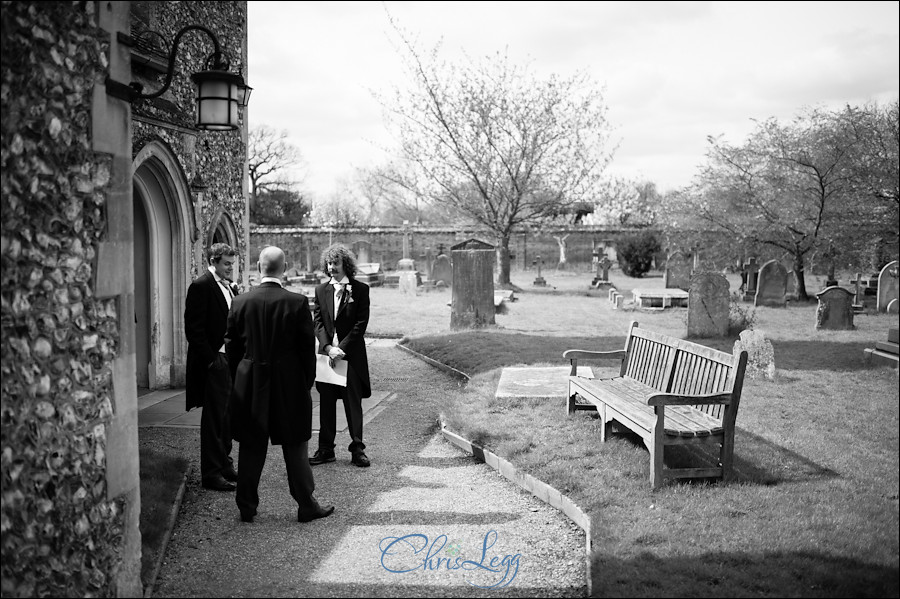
219, 484
360, 459
229, 474
321, 456
247, 517
319, 512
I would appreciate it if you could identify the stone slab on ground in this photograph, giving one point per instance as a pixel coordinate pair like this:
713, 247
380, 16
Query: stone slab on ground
548, 382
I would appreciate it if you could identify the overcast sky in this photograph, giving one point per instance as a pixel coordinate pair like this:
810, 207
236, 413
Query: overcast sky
673, 72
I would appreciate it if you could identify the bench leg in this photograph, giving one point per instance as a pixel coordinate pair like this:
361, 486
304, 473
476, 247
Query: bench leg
656, 453
726, 457
605, 423
570, 405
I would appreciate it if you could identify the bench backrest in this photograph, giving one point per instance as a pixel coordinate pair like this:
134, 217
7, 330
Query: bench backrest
674, 365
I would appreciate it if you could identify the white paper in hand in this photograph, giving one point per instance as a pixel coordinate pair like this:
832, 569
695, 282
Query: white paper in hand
325, 373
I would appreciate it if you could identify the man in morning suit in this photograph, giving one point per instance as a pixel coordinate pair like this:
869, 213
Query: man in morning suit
271, 350
208, 386
341, 315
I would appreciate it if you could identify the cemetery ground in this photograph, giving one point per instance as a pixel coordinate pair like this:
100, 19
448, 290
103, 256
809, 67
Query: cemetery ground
813, 509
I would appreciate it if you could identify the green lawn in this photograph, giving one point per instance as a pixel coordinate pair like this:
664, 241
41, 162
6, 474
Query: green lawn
813, 511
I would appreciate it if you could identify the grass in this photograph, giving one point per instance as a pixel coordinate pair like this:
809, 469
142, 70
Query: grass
161, 475
813, 511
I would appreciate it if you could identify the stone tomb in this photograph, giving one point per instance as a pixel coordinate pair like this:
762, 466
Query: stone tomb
835, 310
708, 305
370, 273
538, 383
772, 285
749, 278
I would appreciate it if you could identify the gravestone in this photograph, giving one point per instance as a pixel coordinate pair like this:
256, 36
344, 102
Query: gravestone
790, 289
539, 281
678, 271
760, 354
408, 282
887, 286
442, 270
750, 277
362, 249
708, 305
601, 276
428, 262
309, 256
472, 304
771, 286
835, 311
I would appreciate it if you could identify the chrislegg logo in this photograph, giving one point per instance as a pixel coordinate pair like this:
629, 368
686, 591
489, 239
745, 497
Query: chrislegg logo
412, 552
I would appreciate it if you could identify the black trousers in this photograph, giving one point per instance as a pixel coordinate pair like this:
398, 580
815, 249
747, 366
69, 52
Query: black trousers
215, 431
252, 458
352, 397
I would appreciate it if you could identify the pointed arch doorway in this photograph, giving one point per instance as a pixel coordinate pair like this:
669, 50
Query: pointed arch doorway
163, 246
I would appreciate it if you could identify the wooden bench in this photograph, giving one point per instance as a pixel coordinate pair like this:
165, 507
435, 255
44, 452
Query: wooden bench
670, 392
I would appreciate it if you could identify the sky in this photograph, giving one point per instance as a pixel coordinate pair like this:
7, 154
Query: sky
673, 73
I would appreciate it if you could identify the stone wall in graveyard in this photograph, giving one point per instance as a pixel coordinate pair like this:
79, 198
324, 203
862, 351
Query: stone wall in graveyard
387, 243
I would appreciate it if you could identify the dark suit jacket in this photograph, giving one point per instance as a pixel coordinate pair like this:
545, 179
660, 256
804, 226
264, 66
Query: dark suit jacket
205, 316
271, 350
351, 325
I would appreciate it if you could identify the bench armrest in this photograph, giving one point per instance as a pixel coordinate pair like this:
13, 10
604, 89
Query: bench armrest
575, 354
670, 399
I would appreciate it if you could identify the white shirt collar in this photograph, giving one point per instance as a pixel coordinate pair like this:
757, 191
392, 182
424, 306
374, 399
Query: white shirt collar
215, 275
336, 283
270, 280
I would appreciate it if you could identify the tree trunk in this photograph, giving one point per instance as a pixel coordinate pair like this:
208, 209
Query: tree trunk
503, 261
799, 265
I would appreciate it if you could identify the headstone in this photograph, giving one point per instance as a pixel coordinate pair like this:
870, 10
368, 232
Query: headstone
406, 264
309, 256
893, 307
472, 304
678, 271
362, 249
771, 285
442, 270
708, 305
408, 282
760, 354
835, 311
887, 286
750, 276
857, 298
406, 244
539, 281
428, 262
602, 271
790, 288
620, 301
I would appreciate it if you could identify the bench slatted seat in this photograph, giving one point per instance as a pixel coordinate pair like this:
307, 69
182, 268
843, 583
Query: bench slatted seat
669, 391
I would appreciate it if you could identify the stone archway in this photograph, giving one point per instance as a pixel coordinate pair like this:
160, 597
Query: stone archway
164, 217
223, 230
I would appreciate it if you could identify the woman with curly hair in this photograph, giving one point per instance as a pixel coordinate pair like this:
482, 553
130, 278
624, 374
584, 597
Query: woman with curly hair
340, 317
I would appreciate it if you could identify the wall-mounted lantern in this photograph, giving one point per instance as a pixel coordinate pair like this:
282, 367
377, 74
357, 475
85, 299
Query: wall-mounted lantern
219, 91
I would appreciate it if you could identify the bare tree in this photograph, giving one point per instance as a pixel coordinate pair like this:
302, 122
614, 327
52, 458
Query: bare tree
496, 142
270, 156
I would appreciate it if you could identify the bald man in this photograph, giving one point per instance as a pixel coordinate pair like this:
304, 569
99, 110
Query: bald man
271, 348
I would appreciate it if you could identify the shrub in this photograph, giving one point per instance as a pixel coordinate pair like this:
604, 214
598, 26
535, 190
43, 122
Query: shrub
739, 317
635, 253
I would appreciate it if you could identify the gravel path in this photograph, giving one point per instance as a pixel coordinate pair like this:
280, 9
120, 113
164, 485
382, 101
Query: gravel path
425, 519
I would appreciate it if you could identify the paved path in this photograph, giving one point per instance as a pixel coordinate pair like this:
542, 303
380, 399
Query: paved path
424, 520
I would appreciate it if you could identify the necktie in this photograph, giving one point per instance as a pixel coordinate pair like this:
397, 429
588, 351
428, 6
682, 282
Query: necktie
342, 294
227, 287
